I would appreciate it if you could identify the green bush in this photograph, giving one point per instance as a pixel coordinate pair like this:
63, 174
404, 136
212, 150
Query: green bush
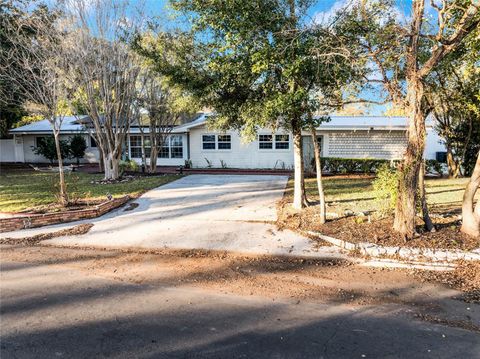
46, 148
385, 187
128, 165
350, 165
433, 166
78, 145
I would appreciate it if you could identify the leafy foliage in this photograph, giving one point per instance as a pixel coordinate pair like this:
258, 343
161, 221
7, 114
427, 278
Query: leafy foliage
78, 145
46, 148
386, 188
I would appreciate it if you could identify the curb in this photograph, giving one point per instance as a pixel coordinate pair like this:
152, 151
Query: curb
423, 255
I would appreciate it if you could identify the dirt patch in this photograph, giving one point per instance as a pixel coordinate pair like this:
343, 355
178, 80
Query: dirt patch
465, 277
273, 277
276, 278
367, 228
33, 240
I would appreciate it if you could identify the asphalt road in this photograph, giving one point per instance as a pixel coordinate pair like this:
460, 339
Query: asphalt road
56, 310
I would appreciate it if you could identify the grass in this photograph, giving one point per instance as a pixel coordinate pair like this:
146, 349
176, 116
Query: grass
356, 193
25, 189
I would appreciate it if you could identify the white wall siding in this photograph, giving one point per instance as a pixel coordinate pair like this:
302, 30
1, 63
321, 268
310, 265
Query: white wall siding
365, 144
241, 154
7, 150
433, 145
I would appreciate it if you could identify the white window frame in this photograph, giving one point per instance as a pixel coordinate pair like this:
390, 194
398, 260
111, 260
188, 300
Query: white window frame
170, 147
167, 141
271, 141
217, 138
214, 142
274, 142
287, 142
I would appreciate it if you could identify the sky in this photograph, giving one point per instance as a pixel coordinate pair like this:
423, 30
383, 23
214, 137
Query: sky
321, 10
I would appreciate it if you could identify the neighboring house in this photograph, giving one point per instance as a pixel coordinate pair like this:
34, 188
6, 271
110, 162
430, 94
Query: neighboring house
344, 136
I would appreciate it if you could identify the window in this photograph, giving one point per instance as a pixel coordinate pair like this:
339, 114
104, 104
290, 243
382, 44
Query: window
208, 142
282, 142
135, 146
93, 143
224, 142
265, 142
176, 146
171, 148
164, 151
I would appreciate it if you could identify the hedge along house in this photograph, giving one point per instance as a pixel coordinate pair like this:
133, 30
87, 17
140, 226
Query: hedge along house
194, 142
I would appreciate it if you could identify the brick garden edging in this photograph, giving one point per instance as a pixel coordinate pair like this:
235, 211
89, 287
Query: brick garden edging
407, 253
45, 219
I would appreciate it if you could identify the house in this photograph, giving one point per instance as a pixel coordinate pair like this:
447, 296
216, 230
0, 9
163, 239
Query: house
343, 136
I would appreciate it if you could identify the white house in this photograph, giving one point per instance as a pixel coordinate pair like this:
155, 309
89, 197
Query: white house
344, 136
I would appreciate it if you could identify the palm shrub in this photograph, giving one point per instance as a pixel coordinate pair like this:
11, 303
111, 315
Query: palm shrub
386, 189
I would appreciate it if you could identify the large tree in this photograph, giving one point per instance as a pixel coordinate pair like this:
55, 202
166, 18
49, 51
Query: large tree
105, 70
254, 63
403, 53
34, 66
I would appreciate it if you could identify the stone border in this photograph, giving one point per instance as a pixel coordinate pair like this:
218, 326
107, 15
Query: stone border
44, 219
407, 253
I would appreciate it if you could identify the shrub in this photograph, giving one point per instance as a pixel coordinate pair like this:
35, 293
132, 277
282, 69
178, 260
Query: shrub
46, 148
432, 166
350, 165
385, 187
78, 145
128, 165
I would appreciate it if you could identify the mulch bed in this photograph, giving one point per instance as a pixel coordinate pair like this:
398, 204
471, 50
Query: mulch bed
378, 230
465, 277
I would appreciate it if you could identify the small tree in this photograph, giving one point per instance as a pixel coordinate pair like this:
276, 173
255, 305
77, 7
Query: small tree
47, 148
78, 145
36, 53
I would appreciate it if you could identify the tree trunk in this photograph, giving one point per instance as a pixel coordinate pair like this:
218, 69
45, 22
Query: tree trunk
318, 166
144, 155
470, 212
405, 210
101, 162
62, 195
299, 199
153, 159
453, 166
423, 197
112, 170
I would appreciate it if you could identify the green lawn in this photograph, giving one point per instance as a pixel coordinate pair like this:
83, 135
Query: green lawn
357, 193
24, 189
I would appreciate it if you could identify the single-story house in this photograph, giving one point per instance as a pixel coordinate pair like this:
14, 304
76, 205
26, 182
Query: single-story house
344, 136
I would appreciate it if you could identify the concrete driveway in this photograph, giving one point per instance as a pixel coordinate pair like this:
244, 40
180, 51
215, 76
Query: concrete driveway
215, 212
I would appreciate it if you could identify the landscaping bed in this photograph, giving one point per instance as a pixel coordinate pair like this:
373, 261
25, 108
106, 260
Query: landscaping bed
352, 215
